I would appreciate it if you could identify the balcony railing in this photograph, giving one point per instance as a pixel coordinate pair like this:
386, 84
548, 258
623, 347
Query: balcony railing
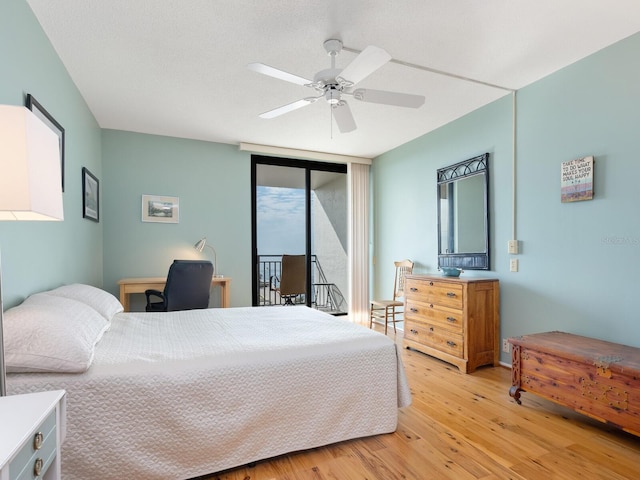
325, 295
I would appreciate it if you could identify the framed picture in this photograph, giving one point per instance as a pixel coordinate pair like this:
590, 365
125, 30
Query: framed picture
90, 196
576, 180
42, 114
160, 209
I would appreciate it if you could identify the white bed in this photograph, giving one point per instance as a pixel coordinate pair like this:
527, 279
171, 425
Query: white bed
183, 394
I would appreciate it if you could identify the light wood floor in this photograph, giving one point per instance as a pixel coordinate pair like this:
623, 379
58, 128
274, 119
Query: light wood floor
466, 427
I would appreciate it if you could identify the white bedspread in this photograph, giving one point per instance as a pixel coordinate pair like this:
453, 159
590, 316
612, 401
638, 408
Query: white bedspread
182, 394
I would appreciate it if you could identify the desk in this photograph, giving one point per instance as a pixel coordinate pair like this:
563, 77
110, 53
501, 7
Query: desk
139, 285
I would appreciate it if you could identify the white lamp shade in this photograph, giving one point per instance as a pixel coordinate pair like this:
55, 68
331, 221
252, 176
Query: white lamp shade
30, 169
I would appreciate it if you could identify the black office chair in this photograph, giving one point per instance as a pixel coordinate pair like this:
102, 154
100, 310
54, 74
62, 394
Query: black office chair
188, 287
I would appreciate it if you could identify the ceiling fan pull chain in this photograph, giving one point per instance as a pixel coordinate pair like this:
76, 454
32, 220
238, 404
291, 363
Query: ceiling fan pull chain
331, 123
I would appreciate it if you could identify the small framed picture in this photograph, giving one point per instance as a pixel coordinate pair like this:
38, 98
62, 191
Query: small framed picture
576, 180
42, 114
160, 209
90, 196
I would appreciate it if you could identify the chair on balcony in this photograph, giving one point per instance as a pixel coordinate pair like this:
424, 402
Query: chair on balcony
188, 287
389, 311
293, 278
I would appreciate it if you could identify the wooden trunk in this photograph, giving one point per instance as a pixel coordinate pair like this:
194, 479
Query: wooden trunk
593, 377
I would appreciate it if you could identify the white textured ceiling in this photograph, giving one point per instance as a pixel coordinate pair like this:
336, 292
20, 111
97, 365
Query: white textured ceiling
178, 67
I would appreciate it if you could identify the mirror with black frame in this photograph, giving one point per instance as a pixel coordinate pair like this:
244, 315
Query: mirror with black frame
463, 214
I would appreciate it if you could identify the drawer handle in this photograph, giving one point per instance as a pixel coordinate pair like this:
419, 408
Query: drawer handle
413, 310
450, 343
451, 294
431, 284
451, 319
38, 438
414, 331
431, 305
431, 329
413, 289
37, 467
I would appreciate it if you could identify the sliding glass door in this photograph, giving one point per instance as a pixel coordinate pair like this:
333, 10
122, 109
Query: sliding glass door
299, 217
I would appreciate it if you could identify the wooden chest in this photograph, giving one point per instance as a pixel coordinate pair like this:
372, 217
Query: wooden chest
597, 378
453, 319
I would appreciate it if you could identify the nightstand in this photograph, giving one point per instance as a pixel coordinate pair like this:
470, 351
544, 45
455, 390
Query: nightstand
33, 429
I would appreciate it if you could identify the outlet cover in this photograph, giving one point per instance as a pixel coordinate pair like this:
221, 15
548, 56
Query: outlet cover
513, 265
506, 346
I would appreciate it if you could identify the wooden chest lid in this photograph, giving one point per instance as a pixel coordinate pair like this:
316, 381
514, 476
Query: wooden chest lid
614, 356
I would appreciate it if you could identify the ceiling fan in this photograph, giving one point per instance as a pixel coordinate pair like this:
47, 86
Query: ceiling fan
333, 84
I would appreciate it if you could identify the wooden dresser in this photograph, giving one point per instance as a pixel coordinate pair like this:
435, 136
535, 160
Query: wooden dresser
454, 319
597, 378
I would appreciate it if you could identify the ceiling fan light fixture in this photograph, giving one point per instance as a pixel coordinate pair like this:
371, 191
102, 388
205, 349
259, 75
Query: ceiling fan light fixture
332, 96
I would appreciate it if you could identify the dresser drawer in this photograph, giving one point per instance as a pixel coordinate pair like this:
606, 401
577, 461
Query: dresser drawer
447, 318
436, 292
40, 449
434, 336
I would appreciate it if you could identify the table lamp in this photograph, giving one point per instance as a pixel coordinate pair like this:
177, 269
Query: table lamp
30, 180
199, 246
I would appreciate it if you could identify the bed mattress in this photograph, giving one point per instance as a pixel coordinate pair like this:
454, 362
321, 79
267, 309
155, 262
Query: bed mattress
183, 394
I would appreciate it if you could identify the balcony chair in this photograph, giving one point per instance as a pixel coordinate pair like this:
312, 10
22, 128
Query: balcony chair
293, 278
188, 287
390, 310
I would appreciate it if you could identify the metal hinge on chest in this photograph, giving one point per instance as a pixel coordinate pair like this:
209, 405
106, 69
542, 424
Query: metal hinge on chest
602, 364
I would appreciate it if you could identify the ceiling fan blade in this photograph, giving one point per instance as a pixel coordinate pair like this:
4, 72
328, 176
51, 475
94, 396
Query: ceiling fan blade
367, 62
277, 73
276, 112
344, 118
388, 98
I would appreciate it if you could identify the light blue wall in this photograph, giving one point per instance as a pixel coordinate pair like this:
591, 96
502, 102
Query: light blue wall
40, 255
213, 183
578, 260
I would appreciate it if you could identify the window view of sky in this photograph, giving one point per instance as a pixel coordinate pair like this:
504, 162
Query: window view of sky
280, 221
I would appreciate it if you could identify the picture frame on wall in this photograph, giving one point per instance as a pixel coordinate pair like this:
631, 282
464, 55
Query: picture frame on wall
90, 196
160, 209
40, 112
576, 180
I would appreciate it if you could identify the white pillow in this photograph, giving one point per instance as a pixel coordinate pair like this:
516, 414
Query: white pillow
51, 334
101, 301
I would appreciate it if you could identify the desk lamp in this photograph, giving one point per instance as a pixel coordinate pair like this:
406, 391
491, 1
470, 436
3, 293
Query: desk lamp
199, 246
30, 180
